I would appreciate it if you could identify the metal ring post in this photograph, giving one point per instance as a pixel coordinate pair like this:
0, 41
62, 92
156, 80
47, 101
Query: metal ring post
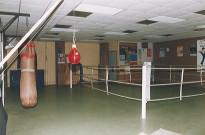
144, 100
71, 80
201, 76
170, 74
92, 78
107, 80
181, 83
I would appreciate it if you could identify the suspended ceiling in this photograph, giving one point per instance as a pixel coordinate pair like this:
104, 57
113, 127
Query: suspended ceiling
127, 25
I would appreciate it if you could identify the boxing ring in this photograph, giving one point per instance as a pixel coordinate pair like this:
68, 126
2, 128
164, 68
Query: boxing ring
170, 82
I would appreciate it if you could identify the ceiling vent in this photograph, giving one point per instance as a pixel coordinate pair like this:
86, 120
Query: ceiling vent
62, 26
202, 12
129, 31
147, 22
167, 35
79, 13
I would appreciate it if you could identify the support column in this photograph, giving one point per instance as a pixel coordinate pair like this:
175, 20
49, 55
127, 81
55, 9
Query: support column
146, 73
71, 80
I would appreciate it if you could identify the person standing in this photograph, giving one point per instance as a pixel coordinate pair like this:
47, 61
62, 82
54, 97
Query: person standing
202, 51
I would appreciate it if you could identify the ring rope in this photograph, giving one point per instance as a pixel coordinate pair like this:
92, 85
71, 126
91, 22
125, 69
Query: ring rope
151, 100
193, 82
114, 81
176, 68
118, 95
112, 68
163, 99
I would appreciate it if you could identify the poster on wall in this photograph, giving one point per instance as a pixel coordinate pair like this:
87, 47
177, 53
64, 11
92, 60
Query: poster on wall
61, 58
179, 51
122, 57
193, 50
144, 53
122, 71
161, 53
139, 56
133, 59
201, 53
149, 52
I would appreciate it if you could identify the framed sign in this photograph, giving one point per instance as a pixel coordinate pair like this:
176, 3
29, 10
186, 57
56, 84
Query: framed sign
161, 53
193, 50
179, 51
149, 52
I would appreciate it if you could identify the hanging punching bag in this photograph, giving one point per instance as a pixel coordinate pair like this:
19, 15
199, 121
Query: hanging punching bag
74, 55
28, 92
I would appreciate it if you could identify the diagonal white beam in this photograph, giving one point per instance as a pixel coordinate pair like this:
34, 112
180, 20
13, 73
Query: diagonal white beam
40, 21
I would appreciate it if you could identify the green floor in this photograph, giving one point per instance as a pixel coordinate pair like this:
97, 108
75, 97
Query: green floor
82, 111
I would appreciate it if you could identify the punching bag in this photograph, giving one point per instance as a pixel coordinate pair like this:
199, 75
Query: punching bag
28, 92
74, 55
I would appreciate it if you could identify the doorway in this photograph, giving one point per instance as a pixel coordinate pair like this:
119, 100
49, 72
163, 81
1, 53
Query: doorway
112, 62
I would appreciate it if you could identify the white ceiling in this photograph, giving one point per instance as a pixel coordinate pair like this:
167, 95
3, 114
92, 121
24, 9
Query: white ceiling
97, 24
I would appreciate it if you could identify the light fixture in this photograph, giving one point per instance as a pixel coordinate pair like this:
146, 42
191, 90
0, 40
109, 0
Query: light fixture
115, 33
50, 39
63, 30
153, 36
202, 26
166, 19
90, 40
9, 46
97, 9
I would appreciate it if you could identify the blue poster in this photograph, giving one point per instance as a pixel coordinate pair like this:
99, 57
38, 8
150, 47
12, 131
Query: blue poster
133, 57
161, 53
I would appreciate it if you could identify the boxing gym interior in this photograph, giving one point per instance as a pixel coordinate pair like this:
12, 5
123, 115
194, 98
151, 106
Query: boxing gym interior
102, 67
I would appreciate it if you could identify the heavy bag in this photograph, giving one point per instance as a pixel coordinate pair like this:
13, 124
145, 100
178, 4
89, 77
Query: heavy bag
28, 92
74, 55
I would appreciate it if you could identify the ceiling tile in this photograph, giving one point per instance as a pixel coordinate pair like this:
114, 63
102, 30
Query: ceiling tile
97, 24
180, 4
194, 8
176, 13
200, 1
35, 2
142, 7
97, 2
72, 18
9, 6
108, 22
122, 4
128, 13
32, 8
145, 16
158, 2
161, 11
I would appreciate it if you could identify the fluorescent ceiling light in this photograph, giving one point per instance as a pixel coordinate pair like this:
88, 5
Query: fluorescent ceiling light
53, 39
50, 35
89, 40
97, 9
64, 30
153, 36
166, 19
202, 26
115, 33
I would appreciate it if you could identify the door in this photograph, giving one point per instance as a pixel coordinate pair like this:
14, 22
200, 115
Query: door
60, 62
112, 62
104, 48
